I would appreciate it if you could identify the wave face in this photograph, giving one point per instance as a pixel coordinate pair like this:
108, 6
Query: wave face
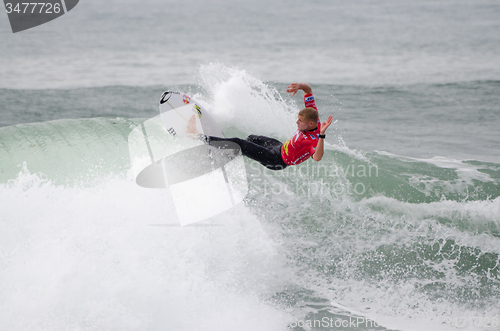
66, 150
400, 241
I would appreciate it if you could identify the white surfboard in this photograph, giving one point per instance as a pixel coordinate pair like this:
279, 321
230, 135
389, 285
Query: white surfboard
177, 111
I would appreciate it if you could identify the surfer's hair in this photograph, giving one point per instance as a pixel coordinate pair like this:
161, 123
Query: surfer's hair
309, 114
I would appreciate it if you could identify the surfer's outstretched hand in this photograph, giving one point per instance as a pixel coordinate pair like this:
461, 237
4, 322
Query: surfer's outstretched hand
325, 125
294, 87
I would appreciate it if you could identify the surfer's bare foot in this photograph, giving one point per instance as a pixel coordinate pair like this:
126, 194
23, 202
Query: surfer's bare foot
205, 139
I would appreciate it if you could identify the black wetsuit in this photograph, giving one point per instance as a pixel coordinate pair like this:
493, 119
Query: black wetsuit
265, 150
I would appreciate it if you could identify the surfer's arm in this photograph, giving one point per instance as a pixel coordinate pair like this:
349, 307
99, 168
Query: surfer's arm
308, 96
294, 87
320, 148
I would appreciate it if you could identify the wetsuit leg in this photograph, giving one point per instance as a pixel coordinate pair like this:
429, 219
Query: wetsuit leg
264, 141
268, 156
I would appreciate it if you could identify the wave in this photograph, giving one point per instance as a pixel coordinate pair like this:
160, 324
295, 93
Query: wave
66, 151
360, 234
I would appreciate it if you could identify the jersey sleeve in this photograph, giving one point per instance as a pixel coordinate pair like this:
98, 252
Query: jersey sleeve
312, 150
309, 101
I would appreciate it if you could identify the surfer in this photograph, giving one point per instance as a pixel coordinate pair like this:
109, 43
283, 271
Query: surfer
308, 140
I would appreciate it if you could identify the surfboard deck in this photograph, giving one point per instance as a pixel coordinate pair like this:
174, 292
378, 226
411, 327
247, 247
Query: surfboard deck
183, 116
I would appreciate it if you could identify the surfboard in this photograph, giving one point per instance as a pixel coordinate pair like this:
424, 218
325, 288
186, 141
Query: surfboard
178, 111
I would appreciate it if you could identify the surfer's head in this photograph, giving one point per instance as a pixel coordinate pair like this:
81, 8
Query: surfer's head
307, 119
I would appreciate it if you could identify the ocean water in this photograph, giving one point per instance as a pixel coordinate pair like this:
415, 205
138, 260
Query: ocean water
397, 228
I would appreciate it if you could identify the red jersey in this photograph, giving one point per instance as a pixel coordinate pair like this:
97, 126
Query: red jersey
303, 143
